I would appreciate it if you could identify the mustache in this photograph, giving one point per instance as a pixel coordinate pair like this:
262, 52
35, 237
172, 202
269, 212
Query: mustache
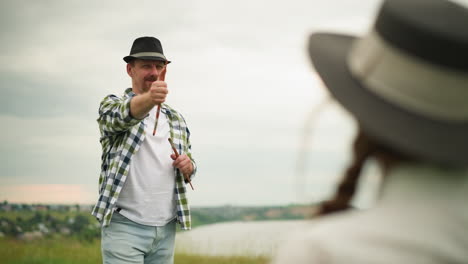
151, 79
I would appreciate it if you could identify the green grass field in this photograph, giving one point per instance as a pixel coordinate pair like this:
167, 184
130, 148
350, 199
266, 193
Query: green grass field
70, 251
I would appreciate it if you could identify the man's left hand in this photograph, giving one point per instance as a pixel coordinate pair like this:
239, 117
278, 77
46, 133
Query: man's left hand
183, 163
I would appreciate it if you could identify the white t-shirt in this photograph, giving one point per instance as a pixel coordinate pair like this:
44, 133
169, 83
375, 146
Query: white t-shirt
148, 194
421, 218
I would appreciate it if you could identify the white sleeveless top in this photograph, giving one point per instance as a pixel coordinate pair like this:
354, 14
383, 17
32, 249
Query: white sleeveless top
147, 196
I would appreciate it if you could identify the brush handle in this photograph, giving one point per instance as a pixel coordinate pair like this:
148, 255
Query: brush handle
161, 77
187, 178
157, 118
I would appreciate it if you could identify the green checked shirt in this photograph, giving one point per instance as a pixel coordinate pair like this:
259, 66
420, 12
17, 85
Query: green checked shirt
121, 137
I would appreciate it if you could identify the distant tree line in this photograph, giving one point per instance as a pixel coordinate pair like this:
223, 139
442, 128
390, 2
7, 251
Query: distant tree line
32, 221
45, 225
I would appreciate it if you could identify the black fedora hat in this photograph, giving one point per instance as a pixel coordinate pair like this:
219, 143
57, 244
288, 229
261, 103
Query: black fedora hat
406, 81
146, 48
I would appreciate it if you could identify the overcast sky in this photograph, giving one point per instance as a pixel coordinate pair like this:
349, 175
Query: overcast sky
240, 75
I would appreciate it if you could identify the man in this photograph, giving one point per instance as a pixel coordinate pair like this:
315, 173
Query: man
142, 187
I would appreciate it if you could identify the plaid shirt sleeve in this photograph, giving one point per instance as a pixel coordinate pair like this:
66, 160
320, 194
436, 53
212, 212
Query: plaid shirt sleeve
114, 115
188, 150
180, 135
114, 120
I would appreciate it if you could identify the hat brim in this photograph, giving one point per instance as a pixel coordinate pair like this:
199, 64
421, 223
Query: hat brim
129, 58
410, 133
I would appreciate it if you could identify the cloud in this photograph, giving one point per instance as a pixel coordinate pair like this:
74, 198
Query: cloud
49, 150
241, 77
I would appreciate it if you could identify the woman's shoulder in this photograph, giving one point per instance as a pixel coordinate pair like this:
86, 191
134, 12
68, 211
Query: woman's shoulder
380, 235
321, 241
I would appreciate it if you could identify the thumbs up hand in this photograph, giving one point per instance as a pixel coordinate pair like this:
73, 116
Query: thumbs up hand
158, 90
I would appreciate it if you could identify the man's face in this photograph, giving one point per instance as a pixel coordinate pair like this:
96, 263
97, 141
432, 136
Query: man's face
144, 73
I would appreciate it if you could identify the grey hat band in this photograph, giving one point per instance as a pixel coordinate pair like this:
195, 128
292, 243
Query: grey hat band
414, 84
149, 54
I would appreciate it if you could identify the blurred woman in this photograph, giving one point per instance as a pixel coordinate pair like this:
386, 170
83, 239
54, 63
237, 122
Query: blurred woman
406, 84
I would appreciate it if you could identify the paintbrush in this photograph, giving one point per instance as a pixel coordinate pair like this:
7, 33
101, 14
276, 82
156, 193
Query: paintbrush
187, 178
161, 77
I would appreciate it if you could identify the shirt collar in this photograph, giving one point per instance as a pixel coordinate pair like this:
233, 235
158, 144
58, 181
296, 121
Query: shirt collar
129, 92
409, 183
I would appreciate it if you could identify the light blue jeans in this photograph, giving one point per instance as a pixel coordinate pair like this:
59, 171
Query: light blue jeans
125, 241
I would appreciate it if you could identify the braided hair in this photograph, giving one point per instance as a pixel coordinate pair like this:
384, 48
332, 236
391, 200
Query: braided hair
363, 148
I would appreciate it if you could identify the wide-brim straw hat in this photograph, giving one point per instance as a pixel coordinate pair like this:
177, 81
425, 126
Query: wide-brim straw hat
406, 81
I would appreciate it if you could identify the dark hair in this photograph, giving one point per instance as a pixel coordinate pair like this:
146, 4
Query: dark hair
364, 147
